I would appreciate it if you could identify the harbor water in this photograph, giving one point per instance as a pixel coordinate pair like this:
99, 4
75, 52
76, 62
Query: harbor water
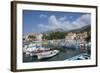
64, 54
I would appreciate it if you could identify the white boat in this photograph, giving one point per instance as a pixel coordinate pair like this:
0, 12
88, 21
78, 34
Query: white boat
39, 51
47, 54
29, 48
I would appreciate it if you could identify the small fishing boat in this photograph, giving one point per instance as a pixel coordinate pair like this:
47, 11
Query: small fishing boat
47, 54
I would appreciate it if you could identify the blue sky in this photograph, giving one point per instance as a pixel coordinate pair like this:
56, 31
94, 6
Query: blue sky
41, 21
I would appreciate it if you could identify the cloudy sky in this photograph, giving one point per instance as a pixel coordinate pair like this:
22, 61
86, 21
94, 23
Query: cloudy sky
41, 21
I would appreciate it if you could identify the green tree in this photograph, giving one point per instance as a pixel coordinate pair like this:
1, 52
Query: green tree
54, 35
45, 37
31, 37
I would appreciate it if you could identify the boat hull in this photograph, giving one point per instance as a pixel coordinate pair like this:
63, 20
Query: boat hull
48, 54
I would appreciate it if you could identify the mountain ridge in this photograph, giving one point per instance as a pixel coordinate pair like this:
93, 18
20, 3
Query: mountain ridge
82, 29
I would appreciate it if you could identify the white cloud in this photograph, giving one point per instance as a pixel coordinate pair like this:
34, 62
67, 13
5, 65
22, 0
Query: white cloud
62, 18
53, 22
82, 21
43, 16
63, 23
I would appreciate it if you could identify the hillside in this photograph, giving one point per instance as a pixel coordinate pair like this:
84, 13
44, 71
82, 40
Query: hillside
85, 28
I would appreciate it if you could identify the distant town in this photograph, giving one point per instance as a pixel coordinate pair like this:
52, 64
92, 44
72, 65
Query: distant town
81, 36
